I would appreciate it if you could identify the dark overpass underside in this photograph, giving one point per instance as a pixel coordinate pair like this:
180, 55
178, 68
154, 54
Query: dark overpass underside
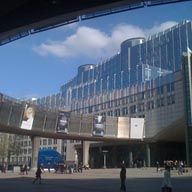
20, 18
54, 135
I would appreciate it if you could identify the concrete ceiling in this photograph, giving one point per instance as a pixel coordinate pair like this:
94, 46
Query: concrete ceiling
20, 18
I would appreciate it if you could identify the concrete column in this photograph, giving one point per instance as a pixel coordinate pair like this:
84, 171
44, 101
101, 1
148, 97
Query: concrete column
104, 159
114, 158
148, 154
35, 142
130, 159
85, 145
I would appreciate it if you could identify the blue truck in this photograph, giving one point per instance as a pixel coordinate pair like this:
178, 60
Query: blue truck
49, 158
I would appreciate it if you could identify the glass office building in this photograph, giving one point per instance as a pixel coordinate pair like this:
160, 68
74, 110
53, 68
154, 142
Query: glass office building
145, 79
140, 60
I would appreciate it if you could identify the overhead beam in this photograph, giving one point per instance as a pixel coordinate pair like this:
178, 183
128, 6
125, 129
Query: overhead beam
20, 18
54, 135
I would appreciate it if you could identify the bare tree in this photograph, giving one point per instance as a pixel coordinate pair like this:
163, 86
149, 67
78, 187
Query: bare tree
14, 146
9, 145
3, 147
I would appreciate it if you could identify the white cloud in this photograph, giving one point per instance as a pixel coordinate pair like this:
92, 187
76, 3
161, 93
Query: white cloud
90, 42
160, 27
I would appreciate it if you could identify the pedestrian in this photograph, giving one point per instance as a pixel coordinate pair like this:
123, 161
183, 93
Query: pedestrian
157, 166
166, 185
123, 177
49, 166
38, 175
80, 169
25, 171
180, 168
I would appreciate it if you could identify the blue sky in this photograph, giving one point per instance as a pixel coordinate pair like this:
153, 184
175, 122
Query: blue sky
37, 65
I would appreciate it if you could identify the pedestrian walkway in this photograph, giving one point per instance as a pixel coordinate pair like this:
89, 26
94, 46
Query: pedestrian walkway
95, 180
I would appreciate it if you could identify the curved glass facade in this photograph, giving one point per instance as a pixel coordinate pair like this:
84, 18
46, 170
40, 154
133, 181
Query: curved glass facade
139, 62
144, 80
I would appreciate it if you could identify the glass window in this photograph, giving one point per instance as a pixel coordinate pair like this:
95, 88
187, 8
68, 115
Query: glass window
156, 52
172, 86
173, 99
117, 112
168, 88
125, 111
110, 113
132, 109
29, 151
170, 51
25, 151
177, 49
44, 141
25, 143
162, 101
148, 105
162, 89
168, 100
49, 141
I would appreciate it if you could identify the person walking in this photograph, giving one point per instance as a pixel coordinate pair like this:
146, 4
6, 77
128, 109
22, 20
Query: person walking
80, 169
166, 184
49, 166
123, 177
38, 175
157, 166
25, 171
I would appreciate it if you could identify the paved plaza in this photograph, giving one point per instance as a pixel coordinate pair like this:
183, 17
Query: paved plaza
95, 180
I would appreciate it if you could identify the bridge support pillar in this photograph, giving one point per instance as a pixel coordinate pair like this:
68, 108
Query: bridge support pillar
114, 159
85, 145
130, 159
148, 152
35, 141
